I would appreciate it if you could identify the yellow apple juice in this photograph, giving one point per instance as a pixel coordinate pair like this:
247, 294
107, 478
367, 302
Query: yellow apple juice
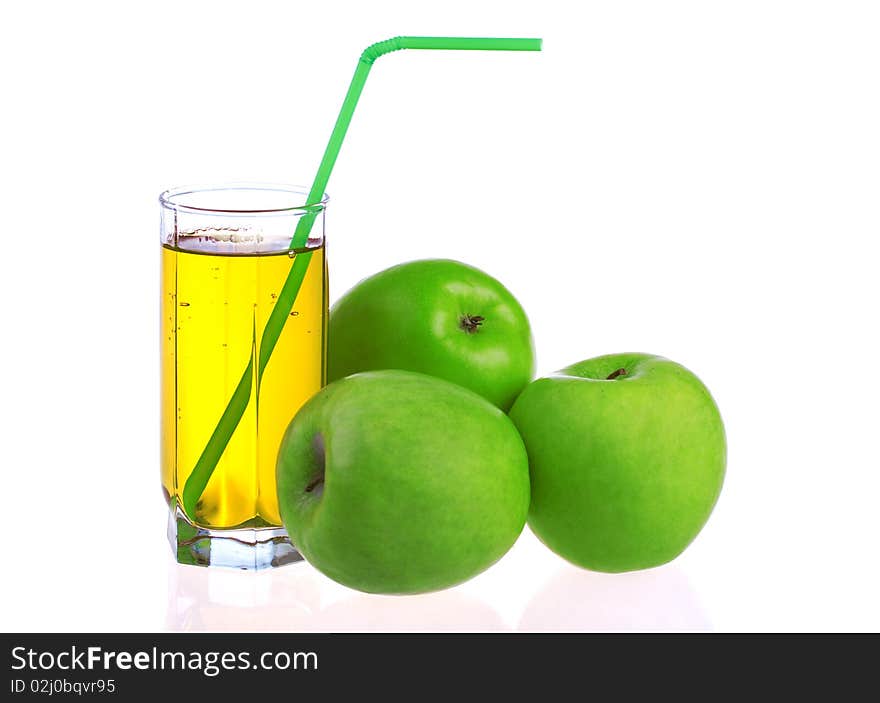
214, 309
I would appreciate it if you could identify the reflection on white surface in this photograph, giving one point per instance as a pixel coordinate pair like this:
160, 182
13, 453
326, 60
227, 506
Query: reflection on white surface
445, 611
202, 598
297, 598
576, 601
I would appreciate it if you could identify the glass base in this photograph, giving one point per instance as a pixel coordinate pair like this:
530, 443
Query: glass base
245, 548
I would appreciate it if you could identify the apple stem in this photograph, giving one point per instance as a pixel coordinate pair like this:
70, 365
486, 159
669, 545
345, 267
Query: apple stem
616, 374
315, 482
320, 458
471, 323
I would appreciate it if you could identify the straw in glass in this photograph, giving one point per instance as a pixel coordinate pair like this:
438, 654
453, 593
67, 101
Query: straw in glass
207, 462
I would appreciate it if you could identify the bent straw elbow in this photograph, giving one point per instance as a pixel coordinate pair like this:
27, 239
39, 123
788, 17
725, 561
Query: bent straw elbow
374, 51
380, 48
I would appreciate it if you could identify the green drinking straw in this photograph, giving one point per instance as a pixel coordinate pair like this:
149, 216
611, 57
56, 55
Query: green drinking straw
207, 462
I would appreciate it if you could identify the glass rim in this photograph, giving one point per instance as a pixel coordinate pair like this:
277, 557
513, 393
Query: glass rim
167, 198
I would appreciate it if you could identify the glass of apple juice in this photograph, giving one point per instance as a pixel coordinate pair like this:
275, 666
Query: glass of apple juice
225, 259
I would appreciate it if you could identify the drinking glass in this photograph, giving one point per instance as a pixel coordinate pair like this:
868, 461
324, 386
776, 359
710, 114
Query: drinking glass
225, 257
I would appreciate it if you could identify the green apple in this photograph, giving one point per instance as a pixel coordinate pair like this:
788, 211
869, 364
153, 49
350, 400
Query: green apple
397, 482
627, 456
438, 317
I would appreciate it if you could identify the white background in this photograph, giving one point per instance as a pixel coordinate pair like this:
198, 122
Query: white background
693, 179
